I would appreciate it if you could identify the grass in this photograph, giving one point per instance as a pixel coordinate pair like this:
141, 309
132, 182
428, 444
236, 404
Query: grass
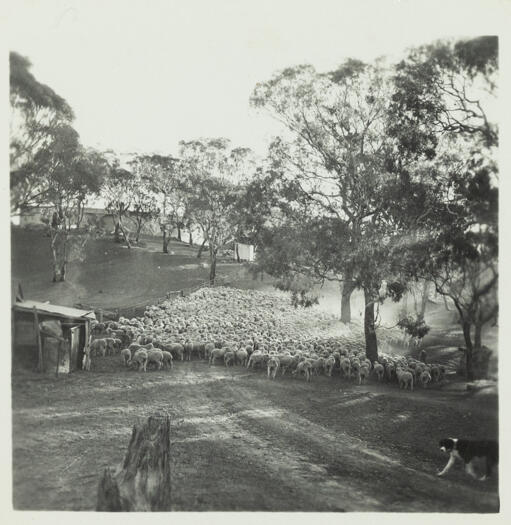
110, 276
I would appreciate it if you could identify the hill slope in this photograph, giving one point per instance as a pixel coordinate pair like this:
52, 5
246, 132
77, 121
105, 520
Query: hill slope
110, 275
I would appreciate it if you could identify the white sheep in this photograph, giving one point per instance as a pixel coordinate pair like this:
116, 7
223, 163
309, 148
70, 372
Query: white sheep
126, 356
140, 358
217, 353
155, 355
273, 366
99, 347
167, 359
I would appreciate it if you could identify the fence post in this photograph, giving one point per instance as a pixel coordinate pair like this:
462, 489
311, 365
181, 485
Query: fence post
38, 340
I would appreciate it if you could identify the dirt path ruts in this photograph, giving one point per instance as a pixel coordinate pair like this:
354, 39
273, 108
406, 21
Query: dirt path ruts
242, 442
327, 470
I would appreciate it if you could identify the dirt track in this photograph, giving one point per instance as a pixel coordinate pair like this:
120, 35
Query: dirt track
242, 442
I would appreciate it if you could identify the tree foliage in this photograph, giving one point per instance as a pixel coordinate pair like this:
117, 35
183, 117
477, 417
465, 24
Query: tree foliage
38, 115
217, 175
441, 116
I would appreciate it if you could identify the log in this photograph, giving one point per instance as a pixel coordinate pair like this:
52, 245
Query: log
142, 482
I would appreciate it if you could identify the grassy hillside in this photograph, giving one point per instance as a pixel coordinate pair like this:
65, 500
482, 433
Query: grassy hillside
110, 275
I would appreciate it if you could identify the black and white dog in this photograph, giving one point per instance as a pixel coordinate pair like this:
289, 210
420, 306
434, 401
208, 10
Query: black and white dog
467, 451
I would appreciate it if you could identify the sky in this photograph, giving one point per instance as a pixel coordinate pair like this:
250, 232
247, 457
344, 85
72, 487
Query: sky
142, 75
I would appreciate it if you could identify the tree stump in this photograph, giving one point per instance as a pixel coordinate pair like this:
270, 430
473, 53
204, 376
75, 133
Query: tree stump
142, 482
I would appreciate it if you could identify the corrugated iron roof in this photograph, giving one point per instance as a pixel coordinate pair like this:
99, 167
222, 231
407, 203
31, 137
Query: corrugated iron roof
62, 311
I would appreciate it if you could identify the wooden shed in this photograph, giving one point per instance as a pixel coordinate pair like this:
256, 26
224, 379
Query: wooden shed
49, 338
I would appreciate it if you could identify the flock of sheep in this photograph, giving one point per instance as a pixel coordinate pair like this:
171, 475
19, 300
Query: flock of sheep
251, 329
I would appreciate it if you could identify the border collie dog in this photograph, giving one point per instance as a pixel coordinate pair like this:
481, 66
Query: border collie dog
466, 451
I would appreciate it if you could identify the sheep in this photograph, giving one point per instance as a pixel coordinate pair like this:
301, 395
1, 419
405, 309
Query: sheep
110, 345
304, 367
208, 348
167, 359
176, 349
140, 358
245, 324
404, 378
116, 345
273, 366
217, 353
379, 370
98, 347
198, 349
256, 358
229, 358
390, 371
329, 365
155, 355
425, 378
355, 369
126, 356
287, 361
363, 373
345, 366
317, 365
241, 356
188, 351
144, 339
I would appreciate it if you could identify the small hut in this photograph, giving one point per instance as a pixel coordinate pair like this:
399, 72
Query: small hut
49, 338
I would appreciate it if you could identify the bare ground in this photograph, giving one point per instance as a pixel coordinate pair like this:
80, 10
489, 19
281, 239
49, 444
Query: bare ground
243, 442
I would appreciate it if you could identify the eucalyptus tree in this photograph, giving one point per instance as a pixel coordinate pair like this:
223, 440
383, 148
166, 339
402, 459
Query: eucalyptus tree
333, 156
71, 174
216, 175
443, 115
37, 114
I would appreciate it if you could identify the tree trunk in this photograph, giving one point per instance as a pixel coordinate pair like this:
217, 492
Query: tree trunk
124, 234
369, 329
179, 233
56, 271
190, 240
424, 299
346, 291
63, 271
63, 266
468, 351
56, 266
445, 303
117, 232
201, 248
139, 229
237, 253
212, 269
165, 241
477, 336
142, 482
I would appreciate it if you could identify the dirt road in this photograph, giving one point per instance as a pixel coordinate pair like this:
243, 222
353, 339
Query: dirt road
243, 442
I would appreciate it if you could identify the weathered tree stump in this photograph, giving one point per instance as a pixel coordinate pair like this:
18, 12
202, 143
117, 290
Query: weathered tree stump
142, 482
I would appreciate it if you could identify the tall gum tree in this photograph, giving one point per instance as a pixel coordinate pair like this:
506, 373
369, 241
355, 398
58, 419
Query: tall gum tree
334, 154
